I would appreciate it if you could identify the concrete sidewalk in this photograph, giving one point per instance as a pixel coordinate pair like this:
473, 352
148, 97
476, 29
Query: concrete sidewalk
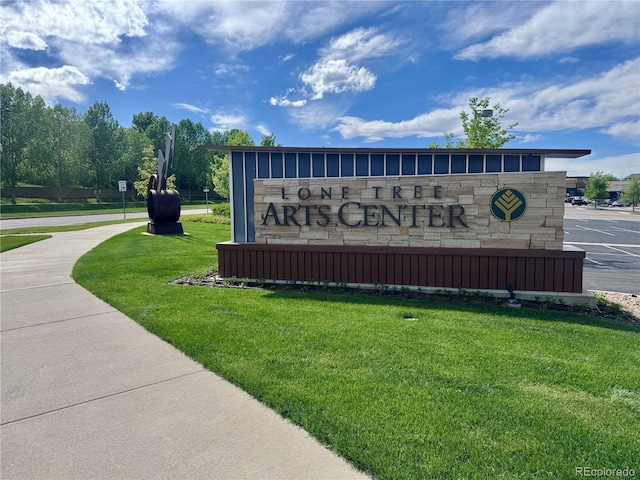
88, 393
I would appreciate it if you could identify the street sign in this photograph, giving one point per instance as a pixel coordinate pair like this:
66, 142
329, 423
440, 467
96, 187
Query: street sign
122, 185
205, 190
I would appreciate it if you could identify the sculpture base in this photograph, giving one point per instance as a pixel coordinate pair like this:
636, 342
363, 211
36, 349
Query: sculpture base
165, 228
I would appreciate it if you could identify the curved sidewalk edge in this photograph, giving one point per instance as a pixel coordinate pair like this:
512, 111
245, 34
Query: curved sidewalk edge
88, 393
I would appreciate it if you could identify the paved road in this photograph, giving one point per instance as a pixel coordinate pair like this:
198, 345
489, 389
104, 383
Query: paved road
79, 219
611, 238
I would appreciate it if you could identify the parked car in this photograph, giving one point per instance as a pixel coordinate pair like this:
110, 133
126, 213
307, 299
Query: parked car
620, 204
579, 201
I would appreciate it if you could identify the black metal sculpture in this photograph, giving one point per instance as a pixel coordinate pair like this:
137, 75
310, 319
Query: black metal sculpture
163, 205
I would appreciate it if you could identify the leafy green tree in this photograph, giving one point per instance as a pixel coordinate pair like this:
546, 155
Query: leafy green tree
19, 129
192, 161
632, 192
220, 164
154, 127
482, 126
148, 167
596, 187
269, 141
136, 145
106, 146
65, 147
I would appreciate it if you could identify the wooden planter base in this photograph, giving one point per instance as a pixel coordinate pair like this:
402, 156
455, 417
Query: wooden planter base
533, 270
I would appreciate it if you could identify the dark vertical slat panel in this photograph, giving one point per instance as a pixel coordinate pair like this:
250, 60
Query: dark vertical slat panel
492, 272
548, 274
222, 262
448, 271
239, 264
558, 274
315, 269
422, 270
322, 266
456, 272
273, 265
352, 268
501, 276
414, 262
293, 266
510, 272
359, 268
465, 271
375, 270
432, 274
439, 271
521, 270
577, 275
483, 272
366, 268
530, 274
253, 267
382, 268
337, 266
567, 280
406, 269
344, 267
391, 270
539, 274
474, 272
260, 264
329, 266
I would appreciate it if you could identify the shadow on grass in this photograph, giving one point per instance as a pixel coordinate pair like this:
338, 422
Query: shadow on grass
472, 305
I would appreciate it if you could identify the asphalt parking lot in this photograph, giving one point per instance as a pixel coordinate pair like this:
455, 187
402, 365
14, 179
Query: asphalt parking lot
611, 239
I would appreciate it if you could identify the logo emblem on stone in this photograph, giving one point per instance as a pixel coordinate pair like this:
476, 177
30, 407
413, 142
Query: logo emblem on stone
508, 204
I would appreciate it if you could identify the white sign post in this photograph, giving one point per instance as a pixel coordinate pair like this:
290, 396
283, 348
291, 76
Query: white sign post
122, 186
206, 196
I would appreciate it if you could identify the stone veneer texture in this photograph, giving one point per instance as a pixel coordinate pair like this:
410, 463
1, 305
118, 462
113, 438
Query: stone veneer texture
319, 221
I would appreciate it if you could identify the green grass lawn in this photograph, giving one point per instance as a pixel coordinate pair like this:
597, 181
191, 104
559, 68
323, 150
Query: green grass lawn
15, 241
402, 388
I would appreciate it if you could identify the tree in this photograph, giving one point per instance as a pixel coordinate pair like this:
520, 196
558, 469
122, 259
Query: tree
632, 193
482, 127
154, 127
192, 161
149, 167
220, 165
596, 187
136, 146
21, 114
269, 141
65, 147
106, 146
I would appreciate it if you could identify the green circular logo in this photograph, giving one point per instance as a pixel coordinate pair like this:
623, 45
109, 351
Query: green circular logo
508, 204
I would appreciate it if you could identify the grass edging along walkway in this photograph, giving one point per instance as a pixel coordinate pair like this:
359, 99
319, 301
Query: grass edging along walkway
402, 388
14, 241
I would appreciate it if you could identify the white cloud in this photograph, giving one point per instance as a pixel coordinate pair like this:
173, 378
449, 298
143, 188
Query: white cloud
531, 138
561, 27
620, 166
608, 100
263, 129
244, 26
285, 102
189, 107
624, 129
50, 83
98, 21
432, 124
360, 44
25, 40
337, 76
228, 121
317, 115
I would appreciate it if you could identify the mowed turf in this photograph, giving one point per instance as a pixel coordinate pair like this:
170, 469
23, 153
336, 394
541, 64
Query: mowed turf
402, 388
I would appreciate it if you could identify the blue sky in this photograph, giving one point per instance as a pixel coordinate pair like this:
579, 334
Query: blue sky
345, 73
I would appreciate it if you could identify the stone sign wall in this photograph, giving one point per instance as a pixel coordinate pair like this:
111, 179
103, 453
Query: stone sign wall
504, 211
